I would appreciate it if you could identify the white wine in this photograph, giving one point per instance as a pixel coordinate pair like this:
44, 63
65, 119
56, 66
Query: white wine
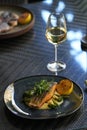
56, 35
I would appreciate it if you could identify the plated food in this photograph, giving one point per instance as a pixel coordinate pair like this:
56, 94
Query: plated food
50, 102
48, 95
24, 18
15, 21
9, 20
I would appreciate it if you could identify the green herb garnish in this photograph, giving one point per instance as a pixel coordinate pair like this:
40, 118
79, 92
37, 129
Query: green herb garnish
41, 87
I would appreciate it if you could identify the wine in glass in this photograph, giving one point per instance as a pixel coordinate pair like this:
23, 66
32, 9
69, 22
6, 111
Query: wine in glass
56, 33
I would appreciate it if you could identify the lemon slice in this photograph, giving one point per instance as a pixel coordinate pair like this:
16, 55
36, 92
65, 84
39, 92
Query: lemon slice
24, 18
65, 87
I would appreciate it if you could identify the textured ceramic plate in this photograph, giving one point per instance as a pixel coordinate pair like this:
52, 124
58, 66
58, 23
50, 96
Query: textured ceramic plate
70, 105
20, 29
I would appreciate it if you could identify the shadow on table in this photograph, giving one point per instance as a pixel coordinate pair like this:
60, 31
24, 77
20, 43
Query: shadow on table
46, 124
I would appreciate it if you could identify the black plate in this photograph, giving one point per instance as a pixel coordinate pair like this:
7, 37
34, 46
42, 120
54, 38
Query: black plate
19, 29
71, 104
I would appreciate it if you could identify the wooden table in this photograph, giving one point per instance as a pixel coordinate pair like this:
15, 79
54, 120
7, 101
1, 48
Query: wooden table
28, 55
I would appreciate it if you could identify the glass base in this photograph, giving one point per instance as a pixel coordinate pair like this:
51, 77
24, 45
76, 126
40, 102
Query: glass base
56, 66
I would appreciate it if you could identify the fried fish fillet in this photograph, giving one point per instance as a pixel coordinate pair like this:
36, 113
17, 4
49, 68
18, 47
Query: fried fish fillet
38, 101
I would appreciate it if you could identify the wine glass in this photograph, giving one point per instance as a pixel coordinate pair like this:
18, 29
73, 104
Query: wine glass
56, 33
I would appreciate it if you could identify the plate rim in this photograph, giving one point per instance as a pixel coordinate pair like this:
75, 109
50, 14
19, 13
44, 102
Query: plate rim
29, 116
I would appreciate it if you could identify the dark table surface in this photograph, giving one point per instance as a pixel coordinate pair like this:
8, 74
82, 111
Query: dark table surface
29, 54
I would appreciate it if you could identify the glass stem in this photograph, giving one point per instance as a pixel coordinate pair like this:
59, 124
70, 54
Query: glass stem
56, 53
56, 73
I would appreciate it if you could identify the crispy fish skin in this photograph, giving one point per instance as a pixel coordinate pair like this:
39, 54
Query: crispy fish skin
38, 101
